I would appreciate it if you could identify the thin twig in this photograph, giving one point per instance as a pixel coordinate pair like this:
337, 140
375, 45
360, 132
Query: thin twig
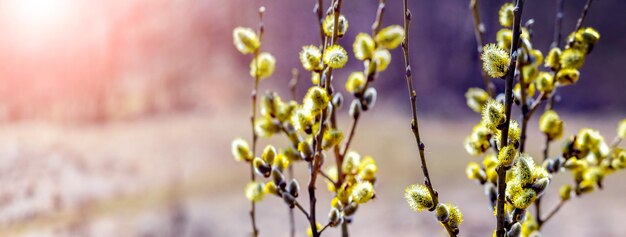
500, 215
323, 174
324, 228
558, 24
546, 153
479, 33
583, 15
379, 16
551, 213
339, 156
297, 204
355, 121
525, 110
255, 230
293, 83
414, 122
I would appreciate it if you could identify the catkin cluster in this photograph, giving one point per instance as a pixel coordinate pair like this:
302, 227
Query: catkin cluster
586, 155
310, 125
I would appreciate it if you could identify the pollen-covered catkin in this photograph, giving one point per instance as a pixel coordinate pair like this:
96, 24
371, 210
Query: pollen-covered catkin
311, 58
335, 56
255, 191
356, 82
382, 58
567, 76
551, 124
572, 58
506, 155
363, 46
390, 37
245, 40
506, 16
316, 99
362, 192
621, 129
241, 150
262, 66
476, 98
565, 192
495, 60
544, 82
418, 197
329, 25
553, 60
493, 115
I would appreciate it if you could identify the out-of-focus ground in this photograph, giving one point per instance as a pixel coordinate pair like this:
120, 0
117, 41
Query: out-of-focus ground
174, 176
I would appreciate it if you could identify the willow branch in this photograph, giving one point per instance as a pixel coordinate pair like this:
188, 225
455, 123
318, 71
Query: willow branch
297, 204
479, 33
414, 122
317, 143
355, 121
500, 215
324, 228
255, 230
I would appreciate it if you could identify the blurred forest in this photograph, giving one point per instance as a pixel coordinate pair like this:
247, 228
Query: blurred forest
122, 59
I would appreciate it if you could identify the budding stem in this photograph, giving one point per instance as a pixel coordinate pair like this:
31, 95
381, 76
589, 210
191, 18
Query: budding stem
316, 164
414, 122
479, 33
551, 98
500, 215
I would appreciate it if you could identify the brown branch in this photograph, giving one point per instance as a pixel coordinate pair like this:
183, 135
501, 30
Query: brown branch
479, 33
414, 122
500, 215
316, 164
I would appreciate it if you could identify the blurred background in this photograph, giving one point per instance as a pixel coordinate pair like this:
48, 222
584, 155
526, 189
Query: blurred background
116, 117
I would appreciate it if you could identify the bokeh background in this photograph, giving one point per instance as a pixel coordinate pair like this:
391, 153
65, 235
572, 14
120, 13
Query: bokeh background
116, 117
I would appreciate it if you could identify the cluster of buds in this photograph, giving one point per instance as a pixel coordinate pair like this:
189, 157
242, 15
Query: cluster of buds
486, 134
355, 187
307, 123
587, 156
419, 199
589, 159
